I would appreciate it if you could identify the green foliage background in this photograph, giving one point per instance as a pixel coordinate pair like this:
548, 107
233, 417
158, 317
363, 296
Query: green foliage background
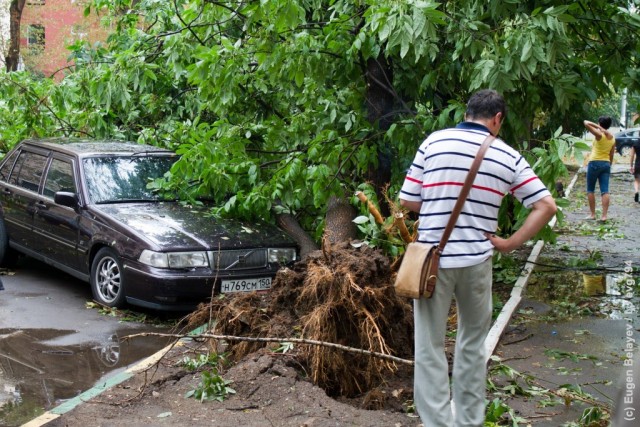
268, 101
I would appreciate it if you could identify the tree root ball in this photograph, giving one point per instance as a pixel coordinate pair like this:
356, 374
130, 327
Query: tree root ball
342, 295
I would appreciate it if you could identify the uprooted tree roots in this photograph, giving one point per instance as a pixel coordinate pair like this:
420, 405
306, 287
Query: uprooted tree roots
341, 295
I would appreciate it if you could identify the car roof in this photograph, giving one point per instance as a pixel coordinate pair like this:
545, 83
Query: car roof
90, 147
627, 131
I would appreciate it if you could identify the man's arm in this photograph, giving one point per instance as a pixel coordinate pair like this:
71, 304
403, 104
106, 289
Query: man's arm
541, 213
412, 206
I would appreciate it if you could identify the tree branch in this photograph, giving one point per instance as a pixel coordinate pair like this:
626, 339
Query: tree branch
188, 26
279, 340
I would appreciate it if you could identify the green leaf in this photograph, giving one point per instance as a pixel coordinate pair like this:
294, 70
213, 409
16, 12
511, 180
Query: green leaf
526, 51
362, 219
558, 132
570, 19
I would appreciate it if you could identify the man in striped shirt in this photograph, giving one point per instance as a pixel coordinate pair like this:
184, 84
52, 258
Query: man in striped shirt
431, 188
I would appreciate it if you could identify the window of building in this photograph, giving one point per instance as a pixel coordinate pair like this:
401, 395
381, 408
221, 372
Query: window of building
38, 2
35, 37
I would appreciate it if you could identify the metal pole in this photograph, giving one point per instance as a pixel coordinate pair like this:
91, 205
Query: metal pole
623, 109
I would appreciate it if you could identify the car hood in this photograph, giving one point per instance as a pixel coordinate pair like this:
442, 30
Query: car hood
174, 225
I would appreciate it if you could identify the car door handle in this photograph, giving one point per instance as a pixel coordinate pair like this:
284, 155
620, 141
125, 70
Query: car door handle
42, 205
6, 191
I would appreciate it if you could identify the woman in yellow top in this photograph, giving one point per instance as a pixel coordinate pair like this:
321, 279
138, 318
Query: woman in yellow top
599, 167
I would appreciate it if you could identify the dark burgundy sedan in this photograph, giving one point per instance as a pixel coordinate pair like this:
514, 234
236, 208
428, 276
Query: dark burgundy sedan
86, 208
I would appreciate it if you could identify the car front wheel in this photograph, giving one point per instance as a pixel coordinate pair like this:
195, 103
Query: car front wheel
106, 278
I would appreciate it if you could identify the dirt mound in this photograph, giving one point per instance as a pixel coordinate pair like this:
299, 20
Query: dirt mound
341, 295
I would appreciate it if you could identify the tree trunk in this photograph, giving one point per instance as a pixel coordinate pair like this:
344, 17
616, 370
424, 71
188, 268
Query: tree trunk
13, 53
339, 225
380, 94
291, 226
380, 101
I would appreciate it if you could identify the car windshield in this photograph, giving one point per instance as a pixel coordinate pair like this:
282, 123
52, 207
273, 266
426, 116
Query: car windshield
119, 179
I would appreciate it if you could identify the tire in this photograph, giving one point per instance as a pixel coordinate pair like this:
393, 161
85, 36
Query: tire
107, 285
8, 256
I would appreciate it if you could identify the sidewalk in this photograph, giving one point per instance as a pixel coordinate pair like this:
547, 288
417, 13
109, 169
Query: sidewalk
561, 336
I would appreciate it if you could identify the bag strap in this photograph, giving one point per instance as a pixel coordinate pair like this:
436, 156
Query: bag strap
462, 197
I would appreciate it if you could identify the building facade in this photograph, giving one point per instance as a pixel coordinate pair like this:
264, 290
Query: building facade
48, 27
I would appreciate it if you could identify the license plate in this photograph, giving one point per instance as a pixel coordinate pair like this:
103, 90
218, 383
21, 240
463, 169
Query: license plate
245, 285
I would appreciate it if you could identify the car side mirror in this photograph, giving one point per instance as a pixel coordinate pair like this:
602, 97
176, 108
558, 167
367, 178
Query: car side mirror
66, 198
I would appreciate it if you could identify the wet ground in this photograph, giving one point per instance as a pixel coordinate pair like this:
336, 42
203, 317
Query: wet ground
573, 332
37, 375
52, 346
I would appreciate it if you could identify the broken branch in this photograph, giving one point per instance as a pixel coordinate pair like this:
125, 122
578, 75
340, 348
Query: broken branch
398, 221
278, 340
372, 209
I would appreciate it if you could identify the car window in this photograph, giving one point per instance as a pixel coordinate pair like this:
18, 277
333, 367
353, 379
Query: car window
124, 179
59, 178
6, 167
28, 170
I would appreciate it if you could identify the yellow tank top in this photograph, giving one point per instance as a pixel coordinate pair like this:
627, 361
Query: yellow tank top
601, 148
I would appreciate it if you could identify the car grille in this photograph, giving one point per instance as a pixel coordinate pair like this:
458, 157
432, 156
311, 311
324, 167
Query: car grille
242, 259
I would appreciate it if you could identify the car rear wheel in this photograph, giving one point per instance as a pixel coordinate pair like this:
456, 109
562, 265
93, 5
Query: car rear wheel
106, 278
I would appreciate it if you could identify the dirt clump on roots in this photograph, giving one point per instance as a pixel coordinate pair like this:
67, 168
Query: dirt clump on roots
342, 295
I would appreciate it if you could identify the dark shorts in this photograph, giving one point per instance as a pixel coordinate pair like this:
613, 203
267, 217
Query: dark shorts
598, 171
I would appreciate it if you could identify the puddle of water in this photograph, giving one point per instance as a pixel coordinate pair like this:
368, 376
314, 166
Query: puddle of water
621, 299
573, 293
36, 375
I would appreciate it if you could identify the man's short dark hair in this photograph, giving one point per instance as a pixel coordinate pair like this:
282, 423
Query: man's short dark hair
485, 104
604, 121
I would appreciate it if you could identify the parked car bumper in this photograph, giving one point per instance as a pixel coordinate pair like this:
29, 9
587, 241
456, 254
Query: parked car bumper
172, 290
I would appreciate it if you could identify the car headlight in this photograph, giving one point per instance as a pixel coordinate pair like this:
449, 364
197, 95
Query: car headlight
174, 259
281, 255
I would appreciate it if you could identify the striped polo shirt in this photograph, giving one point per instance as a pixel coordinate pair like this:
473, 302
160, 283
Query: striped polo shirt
437, 175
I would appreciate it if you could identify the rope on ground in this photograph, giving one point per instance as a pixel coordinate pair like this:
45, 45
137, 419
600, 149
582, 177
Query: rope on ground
278, 340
